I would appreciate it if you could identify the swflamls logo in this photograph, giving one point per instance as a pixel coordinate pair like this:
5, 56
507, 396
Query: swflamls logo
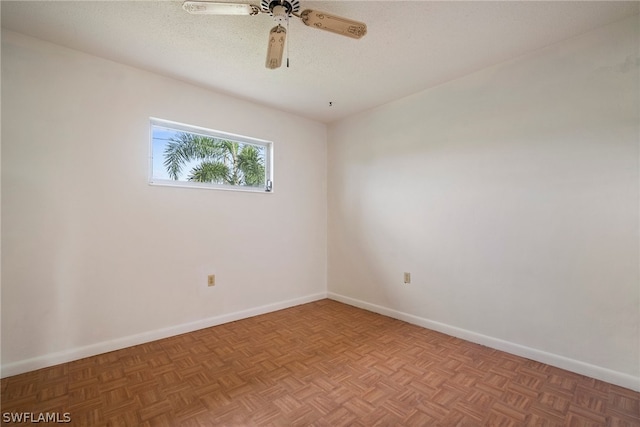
36, 417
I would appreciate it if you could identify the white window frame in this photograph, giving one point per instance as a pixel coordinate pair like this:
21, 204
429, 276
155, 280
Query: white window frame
181, 127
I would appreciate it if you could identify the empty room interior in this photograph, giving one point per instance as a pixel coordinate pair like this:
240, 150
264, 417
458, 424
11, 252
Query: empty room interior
320, 213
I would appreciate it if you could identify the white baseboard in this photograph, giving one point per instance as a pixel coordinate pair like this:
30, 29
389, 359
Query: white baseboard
53, 359
582, 368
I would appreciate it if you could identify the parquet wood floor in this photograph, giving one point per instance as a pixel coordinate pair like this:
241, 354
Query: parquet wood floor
318, 364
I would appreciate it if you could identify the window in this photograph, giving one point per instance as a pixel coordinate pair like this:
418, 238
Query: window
183, 155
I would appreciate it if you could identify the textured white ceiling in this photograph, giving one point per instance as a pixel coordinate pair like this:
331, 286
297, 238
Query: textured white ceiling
410, 45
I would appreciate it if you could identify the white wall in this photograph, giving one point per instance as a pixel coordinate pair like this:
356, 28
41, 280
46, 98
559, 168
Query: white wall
511, 195
94, 258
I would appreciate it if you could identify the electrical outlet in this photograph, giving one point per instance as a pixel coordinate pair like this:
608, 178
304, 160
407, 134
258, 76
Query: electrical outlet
407, 277
211, 280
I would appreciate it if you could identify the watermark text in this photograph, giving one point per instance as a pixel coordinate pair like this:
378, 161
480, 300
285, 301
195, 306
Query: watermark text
36, 417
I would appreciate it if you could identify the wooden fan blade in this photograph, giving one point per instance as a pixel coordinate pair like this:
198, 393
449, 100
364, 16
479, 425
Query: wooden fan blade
333, 23
277, 39
217, 8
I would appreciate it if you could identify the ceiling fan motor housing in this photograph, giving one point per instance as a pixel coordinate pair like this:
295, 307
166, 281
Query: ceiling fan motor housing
281, 10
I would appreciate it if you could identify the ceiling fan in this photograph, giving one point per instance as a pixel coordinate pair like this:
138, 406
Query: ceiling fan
281, 11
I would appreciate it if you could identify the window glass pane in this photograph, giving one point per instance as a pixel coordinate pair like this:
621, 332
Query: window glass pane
200, 157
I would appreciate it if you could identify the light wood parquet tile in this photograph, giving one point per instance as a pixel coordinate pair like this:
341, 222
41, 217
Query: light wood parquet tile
318, 364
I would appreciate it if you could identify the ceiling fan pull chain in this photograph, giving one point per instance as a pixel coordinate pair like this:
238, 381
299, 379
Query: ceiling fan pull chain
288, 42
